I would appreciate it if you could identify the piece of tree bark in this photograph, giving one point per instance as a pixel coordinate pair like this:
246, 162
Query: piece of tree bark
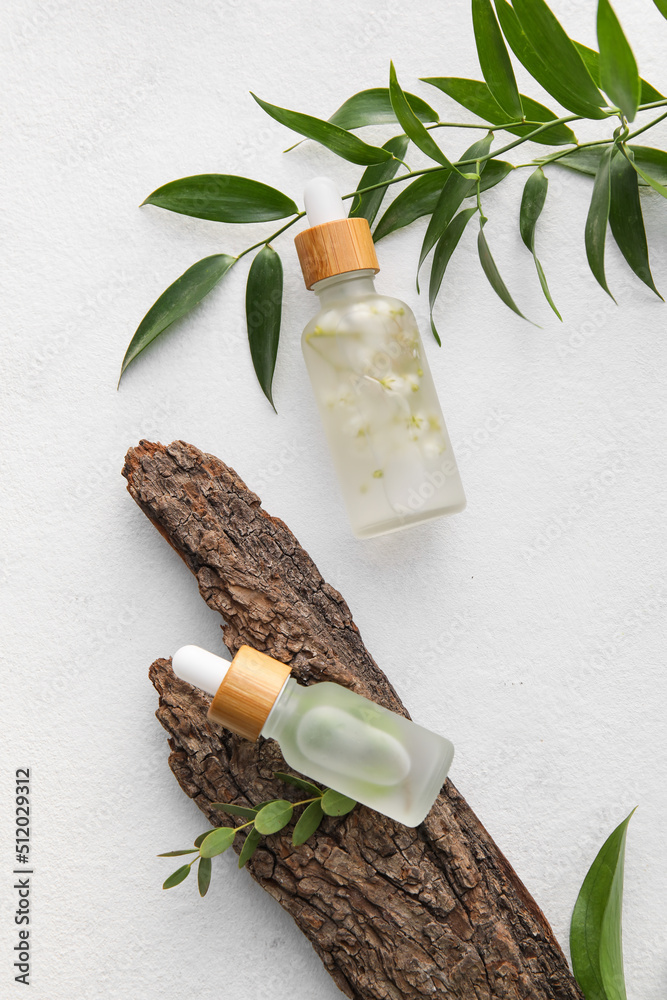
393, 912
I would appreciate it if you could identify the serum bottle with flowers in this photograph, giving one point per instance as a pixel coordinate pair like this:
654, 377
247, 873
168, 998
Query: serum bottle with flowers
371, 380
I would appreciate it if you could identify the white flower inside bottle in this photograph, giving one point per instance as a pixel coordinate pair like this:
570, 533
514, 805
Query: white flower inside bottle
371, 379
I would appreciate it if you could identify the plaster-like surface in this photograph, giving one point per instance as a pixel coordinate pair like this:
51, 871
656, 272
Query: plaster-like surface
530, 628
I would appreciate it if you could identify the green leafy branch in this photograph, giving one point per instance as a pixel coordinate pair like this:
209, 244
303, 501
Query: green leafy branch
595, 930
260, 821
588, 84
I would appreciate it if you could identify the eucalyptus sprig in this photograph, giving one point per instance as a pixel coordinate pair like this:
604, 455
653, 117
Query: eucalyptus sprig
600, 86
595, 928
260, 821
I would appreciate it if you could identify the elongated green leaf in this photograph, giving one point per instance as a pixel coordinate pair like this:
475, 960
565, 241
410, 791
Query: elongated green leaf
176, 877
417, 199
344, 144
420, 197
598, 217
337, 804
373, 107
545, 70
217, 841
492, 273
494, 60
619, 77
176, 302
204, 870
591, 58
476, 97
201, 838
586, 160
223, 198
250, 845
648, 93
232, 810
367, 205
444, 249
532, 203
176, 854
626, 218
263, 304
552, 44
410, 124
651, 178
308, 822
455, 189
302, 783
662, 6
494, 172
595, 931
274, 816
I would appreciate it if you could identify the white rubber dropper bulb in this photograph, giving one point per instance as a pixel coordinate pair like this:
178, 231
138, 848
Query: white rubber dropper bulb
199, 667
323, 202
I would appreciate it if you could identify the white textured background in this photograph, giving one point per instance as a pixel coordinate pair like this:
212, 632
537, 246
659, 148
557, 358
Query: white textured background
530, 628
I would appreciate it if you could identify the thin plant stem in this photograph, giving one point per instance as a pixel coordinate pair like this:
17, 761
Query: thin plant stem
304, 802
566, 152
517, 142
525, 138
273, 236
489, 128
544, 127
639, 131
396, 180
594, 142
242, 826
478, 188
655, 104
458, 163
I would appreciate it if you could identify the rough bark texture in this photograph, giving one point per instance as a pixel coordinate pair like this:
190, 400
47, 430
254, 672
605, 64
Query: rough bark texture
392, 912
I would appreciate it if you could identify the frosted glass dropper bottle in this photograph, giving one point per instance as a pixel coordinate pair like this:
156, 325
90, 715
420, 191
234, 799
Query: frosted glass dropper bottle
371, 379
325, 731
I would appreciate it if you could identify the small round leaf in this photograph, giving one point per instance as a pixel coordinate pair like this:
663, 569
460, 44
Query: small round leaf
337, 804
274, 816
217, 841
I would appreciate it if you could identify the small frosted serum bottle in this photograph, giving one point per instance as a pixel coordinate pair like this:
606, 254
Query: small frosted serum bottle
325, 731
371, 379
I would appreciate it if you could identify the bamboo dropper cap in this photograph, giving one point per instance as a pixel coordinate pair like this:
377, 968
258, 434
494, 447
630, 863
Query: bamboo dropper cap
244, 691
334, 244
